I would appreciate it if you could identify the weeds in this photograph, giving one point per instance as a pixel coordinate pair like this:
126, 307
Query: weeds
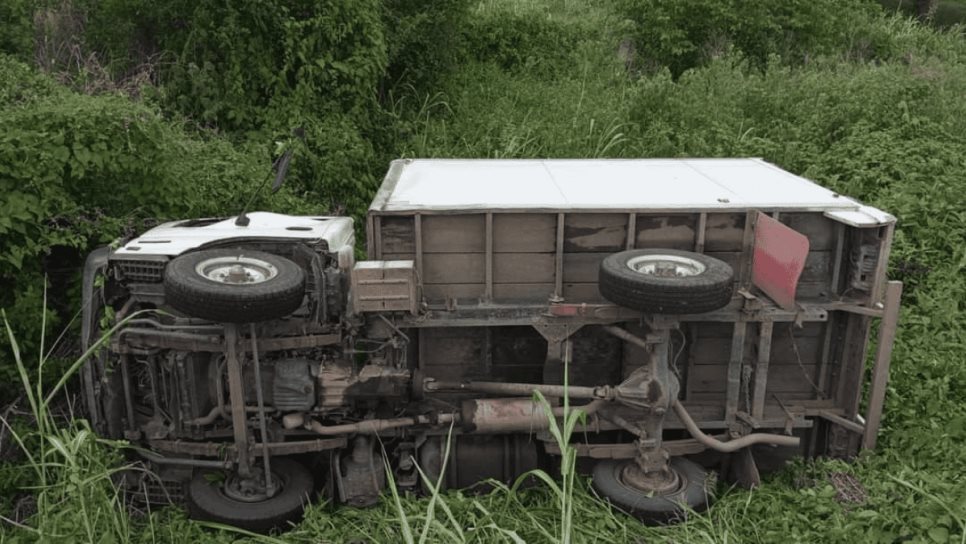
890, 132
74, 470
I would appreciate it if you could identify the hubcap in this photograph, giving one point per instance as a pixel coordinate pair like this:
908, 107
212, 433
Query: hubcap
238, 270
666, 266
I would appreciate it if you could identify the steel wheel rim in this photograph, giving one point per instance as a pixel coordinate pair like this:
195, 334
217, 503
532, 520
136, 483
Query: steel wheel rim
238, 270
676, 481
235, 488
666, 266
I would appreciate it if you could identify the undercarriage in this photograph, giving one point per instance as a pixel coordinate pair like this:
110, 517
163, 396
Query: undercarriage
257, 372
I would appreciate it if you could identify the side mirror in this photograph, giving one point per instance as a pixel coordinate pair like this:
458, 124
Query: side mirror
283, 164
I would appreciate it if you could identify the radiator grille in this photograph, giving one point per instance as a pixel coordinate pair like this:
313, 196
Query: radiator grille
141, 271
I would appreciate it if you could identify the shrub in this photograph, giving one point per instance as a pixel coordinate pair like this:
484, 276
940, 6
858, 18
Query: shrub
527, 42
77, 171
424, 41
17, 30
683, 34
256, 70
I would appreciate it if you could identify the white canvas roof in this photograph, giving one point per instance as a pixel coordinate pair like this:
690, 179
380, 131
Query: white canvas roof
598, 184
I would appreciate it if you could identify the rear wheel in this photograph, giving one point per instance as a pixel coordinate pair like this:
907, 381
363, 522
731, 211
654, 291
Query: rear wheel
687, 493
215, 496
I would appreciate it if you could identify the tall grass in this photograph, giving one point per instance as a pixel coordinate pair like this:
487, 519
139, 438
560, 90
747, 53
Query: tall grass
555, 525
72, 469
564, 490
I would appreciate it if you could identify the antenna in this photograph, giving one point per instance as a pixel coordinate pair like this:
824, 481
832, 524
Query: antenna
280, 167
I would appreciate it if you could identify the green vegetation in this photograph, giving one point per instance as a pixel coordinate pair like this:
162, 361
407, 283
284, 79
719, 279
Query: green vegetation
71, 469
864, 101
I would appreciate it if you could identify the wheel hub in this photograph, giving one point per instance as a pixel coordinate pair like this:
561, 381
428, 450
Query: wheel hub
249, 489
661, 482
666, 266
238, 270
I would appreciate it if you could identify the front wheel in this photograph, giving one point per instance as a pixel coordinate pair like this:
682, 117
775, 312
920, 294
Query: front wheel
215, 496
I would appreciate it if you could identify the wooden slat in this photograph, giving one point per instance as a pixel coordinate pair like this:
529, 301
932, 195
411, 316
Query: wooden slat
883, 356
780, 379
841, 421
464, 233
667, 231
524, 232
743, 272
720, 397
531, 292
453, 267
582, 267
399, 256
395, 234
436, 293
418, 245
702, 227
734, 371
488, 294
823, 362
603, 232
837, 259
372, 240
879, 281
818, 266
820, 230
761, 369
524, 267
715, 349
558, 259
724, 231
851, 367
631, 231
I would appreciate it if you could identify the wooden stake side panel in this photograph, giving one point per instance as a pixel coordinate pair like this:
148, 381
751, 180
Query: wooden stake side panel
523, 250
470, 259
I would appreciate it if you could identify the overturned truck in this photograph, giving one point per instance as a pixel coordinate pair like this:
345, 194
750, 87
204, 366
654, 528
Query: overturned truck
704, 315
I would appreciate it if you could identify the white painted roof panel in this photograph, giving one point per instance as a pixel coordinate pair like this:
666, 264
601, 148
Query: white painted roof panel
599, 184
176, 237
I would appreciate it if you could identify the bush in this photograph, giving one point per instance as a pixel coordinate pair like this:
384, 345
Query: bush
424, 41
683, 34
77, 171
527, 42
257, 70
17, 30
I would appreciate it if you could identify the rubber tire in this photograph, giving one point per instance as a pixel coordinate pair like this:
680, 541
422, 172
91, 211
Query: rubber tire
207, 502
190, 293
657, 509
704, 292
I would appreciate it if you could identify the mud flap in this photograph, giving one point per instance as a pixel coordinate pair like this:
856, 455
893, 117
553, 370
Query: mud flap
779, 259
